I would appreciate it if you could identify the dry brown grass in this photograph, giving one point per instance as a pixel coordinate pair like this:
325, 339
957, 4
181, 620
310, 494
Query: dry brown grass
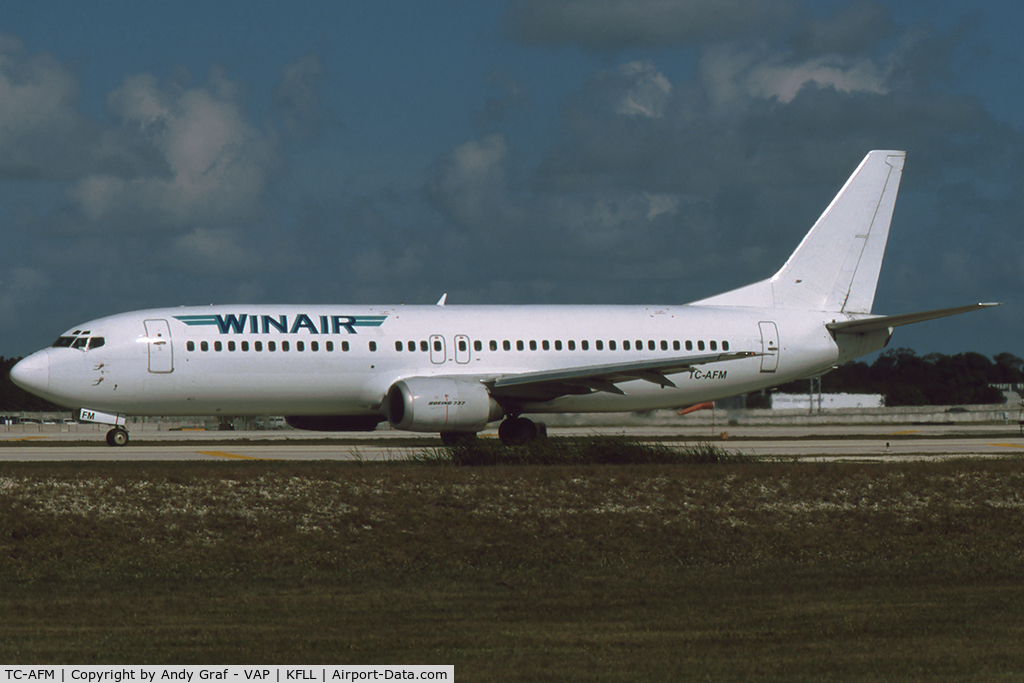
729, 572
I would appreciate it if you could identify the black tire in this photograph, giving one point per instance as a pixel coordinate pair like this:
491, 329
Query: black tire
118, 436
516, 431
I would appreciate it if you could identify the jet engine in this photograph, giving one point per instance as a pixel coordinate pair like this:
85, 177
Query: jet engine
441, 404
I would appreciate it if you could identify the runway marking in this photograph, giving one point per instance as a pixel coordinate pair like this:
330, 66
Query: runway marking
225, 454
1007, 445
905, 431
26, 438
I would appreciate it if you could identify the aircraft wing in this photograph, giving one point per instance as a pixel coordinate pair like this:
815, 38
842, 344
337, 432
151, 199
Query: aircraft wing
886, 321
546, 385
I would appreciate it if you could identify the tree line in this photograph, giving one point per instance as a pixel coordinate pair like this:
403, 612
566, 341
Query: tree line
906, 379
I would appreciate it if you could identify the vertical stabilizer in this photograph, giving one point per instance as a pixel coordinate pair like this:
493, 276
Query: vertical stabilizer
836, 266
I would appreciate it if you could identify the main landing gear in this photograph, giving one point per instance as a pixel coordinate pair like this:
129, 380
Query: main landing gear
516, 430
118, 436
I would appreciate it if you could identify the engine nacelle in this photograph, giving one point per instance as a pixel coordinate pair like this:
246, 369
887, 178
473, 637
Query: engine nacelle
441, 404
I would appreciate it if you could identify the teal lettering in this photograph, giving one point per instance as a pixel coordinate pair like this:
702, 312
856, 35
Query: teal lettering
342, 321
231, 322
280, 325
302, 321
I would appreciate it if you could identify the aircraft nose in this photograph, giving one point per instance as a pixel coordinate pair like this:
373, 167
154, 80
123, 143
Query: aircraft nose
33, 373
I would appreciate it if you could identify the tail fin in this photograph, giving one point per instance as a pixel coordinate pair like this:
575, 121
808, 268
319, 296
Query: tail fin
836, 266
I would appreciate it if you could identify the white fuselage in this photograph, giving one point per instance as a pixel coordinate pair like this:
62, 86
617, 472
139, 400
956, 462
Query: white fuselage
341, 360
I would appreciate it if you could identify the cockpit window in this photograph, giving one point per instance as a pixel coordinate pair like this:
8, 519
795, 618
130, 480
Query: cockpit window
83, 342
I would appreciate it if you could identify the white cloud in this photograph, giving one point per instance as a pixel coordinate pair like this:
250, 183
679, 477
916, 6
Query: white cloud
217, 250
649, 94
731, 75
216, 165
41, 132
470, 184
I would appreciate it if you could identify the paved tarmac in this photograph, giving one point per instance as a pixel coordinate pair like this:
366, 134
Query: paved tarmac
808, 443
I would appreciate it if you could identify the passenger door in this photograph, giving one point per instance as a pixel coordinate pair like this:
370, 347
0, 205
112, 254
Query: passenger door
161, 353
769, 346
437, 350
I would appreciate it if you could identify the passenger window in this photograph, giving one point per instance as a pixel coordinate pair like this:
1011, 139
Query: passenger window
217, 346
599, 345
664, 345
714, 346
533, 345
329, 347
424, 346
558, 345
700, 345
284, 346
519, 345
245, 346
462, 345
344, 346
437, 345
611, 345
545, 345
584, 345
300, 346
257, 346
651, 346
625, 345
271, 346
314, 346
507, 345
478, 346
231, 346
639, 345
689, 345
204, 346
572, 344
675, 345
191, 346
725, 346
493, 345
398, 346
373, 346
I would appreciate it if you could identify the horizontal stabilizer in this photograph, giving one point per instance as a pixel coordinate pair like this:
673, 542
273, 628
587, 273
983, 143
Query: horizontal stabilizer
886, 321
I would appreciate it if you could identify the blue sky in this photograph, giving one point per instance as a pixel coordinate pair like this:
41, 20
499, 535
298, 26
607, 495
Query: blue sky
529, 151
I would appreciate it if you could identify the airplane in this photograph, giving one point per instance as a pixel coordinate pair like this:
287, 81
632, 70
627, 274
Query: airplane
454, 369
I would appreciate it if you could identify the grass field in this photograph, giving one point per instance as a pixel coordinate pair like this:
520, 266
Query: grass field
724, 572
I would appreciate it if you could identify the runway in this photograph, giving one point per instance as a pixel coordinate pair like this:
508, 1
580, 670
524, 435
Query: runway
811, 444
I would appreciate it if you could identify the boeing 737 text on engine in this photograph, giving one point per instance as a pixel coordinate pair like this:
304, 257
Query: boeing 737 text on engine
454, 369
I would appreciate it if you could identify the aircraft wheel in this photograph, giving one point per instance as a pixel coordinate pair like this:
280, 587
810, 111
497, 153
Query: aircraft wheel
517, 430
118, 436
457, 438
